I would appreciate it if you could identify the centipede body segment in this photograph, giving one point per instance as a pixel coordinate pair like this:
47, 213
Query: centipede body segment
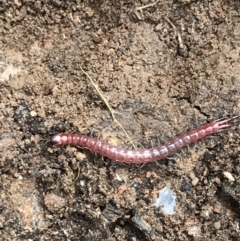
153, 154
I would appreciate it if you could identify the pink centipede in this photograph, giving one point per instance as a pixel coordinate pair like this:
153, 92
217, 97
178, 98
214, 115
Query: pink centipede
153, 154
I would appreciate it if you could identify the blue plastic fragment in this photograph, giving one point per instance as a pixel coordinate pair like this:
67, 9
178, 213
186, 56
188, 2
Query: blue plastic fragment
166, 200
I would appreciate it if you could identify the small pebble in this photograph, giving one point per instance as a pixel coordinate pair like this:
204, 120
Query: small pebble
33, 113
80, 156
217, 209
209, 157
2, 221
195, 181
229, 176
136, 185
216, 180
189, 222
205, 213
158, 28
192, 175
142, 224
194, 231
217, 225
122, 189
185, 187
54, 203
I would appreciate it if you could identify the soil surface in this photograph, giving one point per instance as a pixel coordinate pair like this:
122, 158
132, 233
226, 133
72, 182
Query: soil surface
163, 67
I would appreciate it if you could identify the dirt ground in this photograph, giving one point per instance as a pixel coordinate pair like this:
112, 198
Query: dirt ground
164, 67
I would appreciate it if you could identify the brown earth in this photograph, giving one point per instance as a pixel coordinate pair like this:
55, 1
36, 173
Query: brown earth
164, 68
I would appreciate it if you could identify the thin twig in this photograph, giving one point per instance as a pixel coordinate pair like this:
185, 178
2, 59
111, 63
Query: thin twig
180, 41
108, 106
140, 9
146, 6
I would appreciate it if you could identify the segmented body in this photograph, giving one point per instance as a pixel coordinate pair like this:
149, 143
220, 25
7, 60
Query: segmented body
142, 155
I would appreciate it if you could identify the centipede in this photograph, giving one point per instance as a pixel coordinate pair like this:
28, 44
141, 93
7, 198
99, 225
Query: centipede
141, 156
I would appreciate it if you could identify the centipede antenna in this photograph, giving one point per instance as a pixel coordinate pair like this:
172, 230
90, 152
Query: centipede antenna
234, 118
214, 134
220, 119
229, 119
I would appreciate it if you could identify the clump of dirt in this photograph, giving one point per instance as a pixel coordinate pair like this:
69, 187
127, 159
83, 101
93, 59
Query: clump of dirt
163, 67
